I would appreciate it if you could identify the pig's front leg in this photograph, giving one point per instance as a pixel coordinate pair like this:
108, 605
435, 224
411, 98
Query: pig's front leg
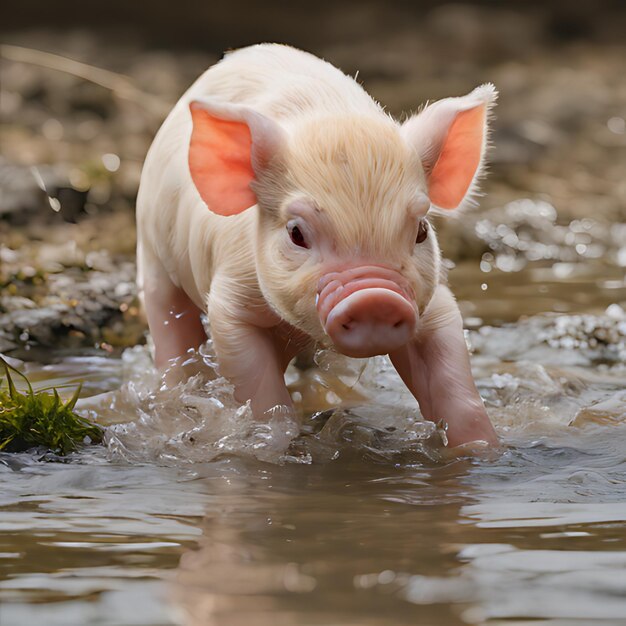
436, 368
250, 358
174, 320
251, 352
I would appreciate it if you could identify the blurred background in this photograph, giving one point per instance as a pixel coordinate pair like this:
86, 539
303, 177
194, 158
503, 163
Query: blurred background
85, 87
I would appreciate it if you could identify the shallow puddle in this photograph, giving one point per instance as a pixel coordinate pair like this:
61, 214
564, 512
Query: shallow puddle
194, 515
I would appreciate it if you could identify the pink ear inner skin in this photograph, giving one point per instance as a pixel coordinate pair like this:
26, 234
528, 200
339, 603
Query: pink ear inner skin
220, 163
459, 159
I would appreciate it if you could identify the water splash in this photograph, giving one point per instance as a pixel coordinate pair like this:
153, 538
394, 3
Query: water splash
537, 378
152, 419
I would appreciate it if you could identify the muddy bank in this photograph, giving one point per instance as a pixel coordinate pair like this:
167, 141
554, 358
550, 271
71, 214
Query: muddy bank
69, 286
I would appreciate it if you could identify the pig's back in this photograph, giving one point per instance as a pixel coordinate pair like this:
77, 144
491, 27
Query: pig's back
283, 83
175, 227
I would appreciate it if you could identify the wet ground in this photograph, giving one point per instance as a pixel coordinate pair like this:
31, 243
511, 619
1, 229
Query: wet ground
192, 514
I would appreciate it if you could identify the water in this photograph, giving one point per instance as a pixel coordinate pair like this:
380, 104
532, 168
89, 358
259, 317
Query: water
192, 514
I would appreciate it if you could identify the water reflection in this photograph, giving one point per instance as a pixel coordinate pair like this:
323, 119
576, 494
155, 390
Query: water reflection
304, 546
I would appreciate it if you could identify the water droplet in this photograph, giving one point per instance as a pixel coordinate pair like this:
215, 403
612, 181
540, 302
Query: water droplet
617, 125
386, 577
52, 129
111, 162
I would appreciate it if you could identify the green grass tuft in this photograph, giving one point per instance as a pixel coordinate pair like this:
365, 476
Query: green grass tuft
29, 419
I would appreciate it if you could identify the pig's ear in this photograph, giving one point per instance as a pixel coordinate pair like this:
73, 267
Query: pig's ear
450, 137
231, 146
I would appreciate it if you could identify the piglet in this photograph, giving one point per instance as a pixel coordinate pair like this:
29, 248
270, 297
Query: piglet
279, 198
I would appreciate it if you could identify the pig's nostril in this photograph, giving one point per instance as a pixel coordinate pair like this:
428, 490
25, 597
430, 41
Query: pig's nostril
398, 324
345, 326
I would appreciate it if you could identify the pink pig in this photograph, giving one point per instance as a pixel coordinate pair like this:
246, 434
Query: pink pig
280, 198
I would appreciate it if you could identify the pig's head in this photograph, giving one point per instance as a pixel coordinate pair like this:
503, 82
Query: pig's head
344, 249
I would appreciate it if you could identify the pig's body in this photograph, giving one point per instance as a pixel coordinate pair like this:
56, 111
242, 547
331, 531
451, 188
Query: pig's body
192, 258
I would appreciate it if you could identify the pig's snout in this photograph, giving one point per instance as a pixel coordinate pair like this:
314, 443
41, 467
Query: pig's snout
366, 311
371, 321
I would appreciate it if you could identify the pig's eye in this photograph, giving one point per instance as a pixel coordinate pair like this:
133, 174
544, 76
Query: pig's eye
297, 237
422, 231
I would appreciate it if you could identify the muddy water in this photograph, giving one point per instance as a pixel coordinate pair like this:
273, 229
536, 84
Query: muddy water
192, 514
